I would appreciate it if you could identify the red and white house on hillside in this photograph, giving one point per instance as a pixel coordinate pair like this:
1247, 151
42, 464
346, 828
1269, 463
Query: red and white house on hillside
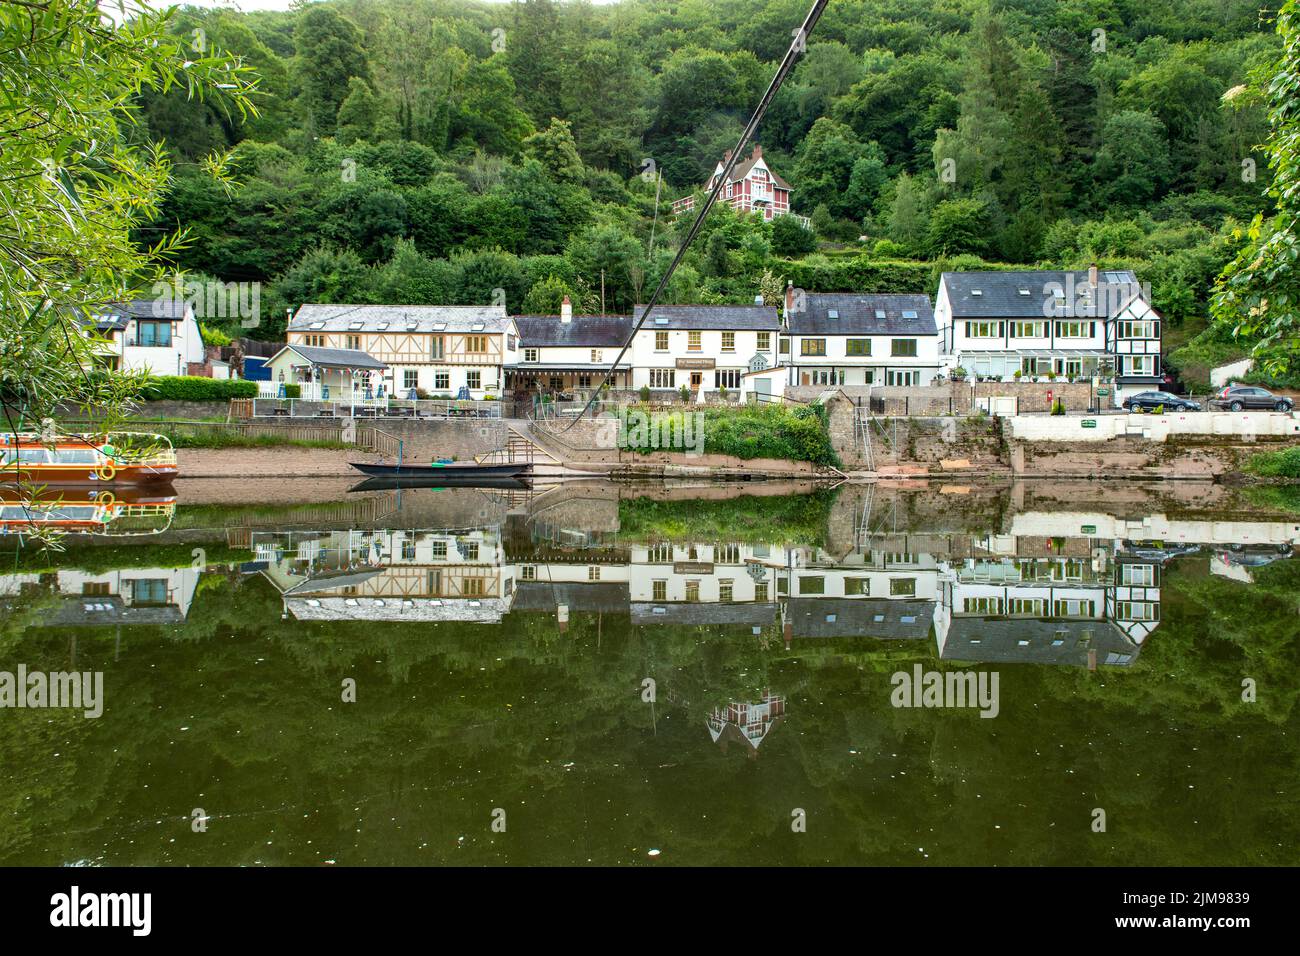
753, 187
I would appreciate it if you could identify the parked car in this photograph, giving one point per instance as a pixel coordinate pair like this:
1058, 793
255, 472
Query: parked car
1237, 397
1255, 555
1158, 551
1149, 401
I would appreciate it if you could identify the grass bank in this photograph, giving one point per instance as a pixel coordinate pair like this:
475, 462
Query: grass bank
791, 432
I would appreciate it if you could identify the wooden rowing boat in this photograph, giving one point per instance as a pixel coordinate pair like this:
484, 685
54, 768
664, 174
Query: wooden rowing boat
448, 471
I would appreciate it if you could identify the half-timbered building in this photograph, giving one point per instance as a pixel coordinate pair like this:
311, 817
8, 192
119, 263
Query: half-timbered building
429, 350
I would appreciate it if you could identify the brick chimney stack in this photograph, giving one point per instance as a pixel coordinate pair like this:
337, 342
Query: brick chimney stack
1092, 275
566, 310
758, 152
789, 297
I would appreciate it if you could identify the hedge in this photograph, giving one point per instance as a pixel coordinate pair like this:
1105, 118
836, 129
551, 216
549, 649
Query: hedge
195, 388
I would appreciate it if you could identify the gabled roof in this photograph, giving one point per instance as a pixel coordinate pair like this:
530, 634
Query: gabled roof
584, 331
742, 169
875, 314
116, 315
860, 617
1039, 640
608, 597
728, 318
399, 318
1027, 294
332, 358
748, 613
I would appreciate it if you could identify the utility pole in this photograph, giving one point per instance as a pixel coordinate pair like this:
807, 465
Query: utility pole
659, 180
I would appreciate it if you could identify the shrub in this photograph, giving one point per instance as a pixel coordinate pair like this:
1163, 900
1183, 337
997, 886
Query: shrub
1058, 407
292, 390
1276, 464
798, 433
645, 393
195, 388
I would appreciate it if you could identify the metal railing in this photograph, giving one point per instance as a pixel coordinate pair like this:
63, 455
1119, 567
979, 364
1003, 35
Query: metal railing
413, 408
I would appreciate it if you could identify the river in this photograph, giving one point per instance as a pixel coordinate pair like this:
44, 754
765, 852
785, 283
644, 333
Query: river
662, 674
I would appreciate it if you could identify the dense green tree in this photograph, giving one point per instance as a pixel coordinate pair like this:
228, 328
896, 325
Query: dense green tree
958, 226
329, 54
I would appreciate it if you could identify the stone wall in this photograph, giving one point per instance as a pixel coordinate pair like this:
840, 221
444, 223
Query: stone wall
461, 439
954, 398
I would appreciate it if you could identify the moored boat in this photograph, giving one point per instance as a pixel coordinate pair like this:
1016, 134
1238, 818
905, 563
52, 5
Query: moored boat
117, 458
451, 471
126, 511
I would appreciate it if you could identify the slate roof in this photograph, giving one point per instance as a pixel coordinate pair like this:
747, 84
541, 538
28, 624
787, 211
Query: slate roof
432, 610
334, 358
81, 610
610, 597
858, 315
860, 617
999, 641
116, 315
1000, 292
743, 166
727, 318
694, 612
425, 318
585, 331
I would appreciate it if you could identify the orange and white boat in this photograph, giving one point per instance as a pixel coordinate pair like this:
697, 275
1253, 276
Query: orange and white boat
117, 458
124, 511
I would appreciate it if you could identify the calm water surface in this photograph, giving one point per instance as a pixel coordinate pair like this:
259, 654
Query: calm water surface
660, 675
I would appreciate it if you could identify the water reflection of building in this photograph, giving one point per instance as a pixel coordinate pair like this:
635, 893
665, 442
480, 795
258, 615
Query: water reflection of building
389, 575
748, 722
125, 596
1048, 600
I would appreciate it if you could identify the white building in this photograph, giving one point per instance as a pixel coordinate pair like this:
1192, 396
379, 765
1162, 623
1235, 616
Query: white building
569, 353
439, 350
1050, 324
847, 339
158, 336
707, 348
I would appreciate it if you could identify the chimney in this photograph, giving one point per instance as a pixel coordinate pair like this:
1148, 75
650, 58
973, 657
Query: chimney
1092, 275
566, 310
758, 152
727, 158
789, 297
